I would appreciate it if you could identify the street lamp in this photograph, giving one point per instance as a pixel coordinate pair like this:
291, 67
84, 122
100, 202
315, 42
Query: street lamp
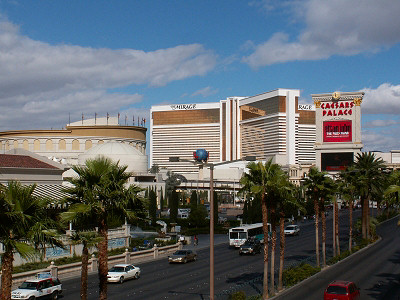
203, 162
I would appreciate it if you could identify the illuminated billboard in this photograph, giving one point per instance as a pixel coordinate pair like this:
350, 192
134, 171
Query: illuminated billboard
337, 131
336, 161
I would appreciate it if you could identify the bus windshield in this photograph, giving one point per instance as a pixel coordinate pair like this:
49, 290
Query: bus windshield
238, 235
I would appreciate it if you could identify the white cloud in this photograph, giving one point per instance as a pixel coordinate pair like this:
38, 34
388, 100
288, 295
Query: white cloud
383, 100
334, 27
40, 82
380, 123
205, 92
381, 141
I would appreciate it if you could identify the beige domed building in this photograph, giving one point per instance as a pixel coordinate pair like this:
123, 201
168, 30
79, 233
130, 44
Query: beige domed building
118, 152
67, 144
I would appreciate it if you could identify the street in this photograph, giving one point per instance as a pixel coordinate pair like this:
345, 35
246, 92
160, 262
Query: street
160, 280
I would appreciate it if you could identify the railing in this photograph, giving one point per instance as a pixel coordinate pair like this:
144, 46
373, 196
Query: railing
127, 258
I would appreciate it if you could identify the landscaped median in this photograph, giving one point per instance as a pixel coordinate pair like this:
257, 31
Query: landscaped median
303, 272
58, 269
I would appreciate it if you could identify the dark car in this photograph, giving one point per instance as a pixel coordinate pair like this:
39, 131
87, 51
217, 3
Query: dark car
182, 256
342, 290
250, 247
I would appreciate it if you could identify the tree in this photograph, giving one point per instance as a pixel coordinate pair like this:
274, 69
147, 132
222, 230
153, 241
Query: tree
260, 180
153, 206
216, 200
193, 200
173, 206
154, 169
97, 194
198, 216
24, 228
326, 193
87, 239
275, 198
368, 171
347, 188
162, 204
314, 185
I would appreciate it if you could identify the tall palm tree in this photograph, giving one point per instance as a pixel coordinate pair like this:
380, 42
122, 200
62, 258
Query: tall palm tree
97, 194
314, 185
287, 203
87, 239
261, 181
276, 197
368, 170
327, 192
24, 228
346, 186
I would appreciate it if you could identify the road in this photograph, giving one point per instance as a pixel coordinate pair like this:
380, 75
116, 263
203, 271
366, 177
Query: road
161, 280
376, 270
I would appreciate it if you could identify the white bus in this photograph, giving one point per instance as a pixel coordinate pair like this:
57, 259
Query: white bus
238, 235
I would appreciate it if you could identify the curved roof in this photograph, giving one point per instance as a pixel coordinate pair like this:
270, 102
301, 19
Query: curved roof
113, 148
124, 153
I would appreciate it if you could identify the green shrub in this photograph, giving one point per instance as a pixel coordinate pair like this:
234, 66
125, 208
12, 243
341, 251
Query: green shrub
45, 264
293, 275
238, 296
337, 258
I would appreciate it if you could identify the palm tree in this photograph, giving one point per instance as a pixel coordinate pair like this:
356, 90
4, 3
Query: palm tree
276, 197
87, 239
287, 203
261, 181
314, 184
327, 192
24, 228
348, 191
97, 194
368, 170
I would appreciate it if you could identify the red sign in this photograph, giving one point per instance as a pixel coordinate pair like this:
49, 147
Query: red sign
337, 131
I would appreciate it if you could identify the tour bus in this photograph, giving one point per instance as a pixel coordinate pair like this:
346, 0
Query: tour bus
238, 235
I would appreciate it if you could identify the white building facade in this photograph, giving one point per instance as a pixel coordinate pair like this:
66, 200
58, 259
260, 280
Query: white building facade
269, 125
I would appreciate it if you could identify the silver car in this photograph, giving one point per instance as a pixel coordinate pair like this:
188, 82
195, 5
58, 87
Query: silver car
182, 256
292, 230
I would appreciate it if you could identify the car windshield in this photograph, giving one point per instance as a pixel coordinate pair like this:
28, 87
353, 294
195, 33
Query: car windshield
290, 227
180, 253
117, 269
28, 285
337, 290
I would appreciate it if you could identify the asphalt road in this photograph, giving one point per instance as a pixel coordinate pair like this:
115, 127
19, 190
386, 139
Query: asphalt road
161, 280
376, 270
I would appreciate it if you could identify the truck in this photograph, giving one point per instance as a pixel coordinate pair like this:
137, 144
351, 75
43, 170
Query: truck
43, 286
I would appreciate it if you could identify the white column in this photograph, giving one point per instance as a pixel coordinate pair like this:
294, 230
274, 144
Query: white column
291, 127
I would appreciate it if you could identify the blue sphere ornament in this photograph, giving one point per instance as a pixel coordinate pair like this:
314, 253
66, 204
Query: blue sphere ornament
200, 155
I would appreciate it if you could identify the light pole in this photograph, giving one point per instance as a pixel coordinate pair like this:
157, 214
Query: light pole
211, 166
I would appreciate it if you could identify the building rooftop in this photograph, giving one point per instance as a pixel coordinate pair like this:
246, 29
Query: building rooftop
22, 161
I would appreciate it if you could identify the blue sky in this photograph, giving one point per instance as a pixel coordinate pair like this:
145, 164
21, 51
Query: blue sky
68, 57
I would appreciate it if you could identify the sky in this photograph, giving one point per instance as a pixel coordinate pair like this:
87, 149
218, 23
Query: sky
63, 59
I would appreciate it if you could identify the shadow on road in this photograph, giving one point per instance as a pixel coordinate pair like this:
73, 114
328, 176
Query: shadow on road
200, 296
387, 288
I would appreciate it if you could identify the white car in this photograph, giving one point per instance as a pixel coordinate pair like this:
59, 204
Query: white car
38, 288
119, 273
292, 230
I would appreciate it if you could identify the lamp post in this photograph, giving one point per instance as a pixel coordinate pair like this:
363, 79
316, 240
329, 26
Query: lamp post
201, 163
